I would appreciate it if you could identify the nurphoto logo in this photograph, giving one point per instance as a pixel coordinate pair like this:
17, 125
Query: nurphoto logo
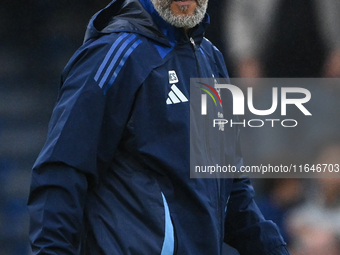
239, 102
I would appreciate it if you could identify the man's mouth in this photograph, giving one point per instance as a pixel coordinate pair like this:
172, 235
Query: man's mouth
184, 2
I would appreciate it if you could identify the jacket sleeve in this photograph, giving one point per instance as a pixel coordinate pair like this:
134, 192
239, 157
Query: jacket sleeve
245, 227
84, 131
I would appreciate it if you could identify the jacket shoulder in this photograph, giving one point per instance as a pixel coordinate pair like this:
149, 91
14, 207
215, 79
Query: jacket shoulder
105, 47
113, 57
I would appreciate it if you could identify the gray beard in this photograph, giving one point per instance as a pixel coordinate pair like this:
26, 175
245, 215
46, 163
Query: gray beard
187, 21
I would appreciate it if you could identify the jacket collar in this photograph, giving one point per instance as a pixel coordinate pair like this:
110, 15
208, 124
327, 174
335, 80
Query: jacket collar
139, 16
176, 35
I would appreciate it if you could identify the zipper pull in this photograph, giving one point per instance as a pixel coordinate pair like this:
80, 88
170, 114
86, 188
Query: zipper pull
193, 43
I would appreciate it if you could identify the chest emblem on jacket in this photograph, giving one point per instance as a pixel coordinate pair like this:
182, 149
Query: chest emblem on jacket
173, 77
175, 96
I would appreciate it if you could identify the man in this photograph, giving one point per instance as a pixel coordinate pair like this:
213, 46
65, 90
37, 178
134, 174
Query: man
113, 176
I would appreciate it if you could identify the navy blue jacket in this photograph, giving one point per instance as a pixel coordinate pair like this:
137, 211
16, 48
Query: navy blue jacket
113, 176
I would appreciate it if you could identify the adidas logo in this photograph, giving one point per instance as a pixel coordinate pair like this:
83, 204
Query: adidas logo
176, 96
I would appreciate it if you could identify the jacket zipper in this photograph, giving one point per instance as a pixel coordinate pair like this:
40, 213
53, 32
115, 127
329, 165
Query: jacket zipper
207, 143
200, 76
195, 52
